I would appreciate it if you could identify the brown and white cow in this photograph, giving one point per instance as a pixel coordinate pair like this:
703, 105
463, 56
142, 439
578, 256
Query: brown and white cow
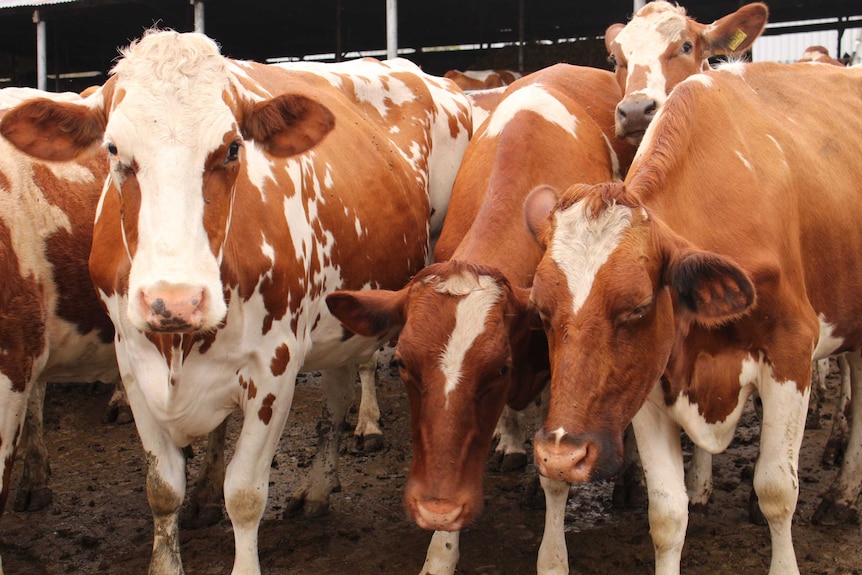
819, 54
661, 46
467, 348
482, 79
52, 325
239, 195
672, 297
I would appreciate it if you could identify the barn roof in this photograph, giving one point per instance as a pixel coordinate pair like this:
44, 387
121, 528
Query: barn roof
85, 34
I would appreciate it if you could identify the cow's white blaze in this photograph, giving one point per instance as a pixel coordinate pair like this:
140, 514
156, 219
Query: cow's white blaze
534, 98
644, 41
480, 294
581, 245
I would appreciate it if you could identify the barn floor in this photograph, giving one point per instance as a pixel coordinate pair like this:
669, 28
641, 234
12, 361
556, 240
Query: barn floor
99, 522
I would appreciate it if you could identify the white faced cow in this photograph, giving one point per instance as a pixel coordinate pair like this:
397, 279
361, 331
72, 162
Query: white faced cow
467, 347
661, 46
672, 297
239, 195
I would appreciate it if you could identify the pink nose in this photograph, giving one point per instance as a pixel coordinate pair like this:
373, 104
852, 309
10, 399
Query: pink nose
173, 308
439, 515
563, 460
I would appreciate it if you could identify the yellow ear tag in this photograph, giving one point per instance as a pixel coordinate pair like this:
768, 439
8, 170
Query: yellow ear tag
738, 38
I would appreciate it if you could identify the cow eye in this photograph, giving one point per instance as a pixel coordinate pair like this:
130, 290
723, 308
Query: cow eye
399, 363
233, 152
612, 60
686, 48
112, 148
637, 312
504, 370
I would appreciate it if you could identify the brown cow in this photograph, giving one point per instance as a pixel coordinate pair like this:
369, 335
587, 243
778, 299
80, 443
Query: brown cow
672, 297
239, 195
482, 79
661, 46
467, 348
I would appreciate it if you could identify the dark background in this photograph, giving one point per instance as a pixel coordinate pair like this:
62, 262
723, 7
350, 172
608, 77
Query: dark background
84, 35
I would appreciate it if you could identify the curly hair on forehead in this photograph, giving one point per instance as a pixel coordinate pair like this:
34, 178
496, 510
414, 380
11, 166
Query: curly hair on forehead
596, 198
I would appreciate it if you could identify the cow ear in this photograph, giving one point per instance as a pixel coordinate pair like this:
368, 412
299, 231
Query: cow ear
710, 286
736, 32
538, 206
57, 131
370, 313
611, 34
288, 124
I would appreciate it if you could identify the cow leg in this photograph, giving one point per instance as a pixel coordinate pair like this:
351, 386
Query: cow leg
510, 453
312, 498
12, 417
553, 554
838, 441
698, 479
246, 485
118, 410
776, 480
658, 439
206, 502
443, 554
838, 503
34, 493
629, 486
367, 435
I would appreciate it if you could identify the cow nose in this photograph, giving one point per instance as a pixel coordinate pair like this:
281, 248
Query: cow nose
439, 515
173, 308
563, 457
634, 115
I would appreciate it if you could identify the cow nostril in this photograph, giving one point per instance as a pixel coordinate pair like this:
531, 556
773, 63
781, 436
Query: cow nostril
158, 306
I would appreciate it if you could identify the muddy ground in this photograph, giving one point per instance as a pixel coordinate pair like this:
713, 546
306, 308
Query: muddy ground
99, 522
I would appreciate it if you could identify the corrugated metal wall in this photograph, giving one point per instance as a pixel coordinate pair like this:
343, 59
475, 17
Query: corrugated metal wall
790, 47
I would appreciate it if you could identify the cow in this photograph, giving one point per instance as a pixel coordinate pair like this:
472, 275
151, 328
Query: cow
671, 297
238, 196
52, 325
482, 79
467, 347
661, 45
819, 54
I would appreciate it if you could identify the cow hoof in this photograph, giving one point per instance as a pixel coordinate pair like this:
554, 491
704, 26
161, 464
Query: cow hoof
36, 500
195, 516
299, 506
124, 415
119, 414
369, 443
831, 513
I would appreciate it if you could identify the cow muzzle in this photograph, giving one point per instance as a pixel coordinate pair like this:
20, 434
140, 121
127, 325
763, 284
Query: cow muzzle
173, 308
633, 116
575, 458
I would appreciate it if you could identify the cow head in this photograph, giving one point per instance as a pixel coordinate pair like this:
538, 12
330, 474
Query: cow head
174, 120
616, 290
461, 325
661, 46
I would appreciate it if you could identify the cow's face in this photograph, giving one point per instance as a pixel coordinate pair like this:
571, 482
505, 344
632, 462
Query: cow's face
175, 156
455, 358
612, 290
661, 46
174, 120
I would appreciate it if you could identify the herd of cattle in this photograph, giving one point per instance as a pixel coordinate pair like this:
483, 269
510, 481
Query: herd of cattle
650, 246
